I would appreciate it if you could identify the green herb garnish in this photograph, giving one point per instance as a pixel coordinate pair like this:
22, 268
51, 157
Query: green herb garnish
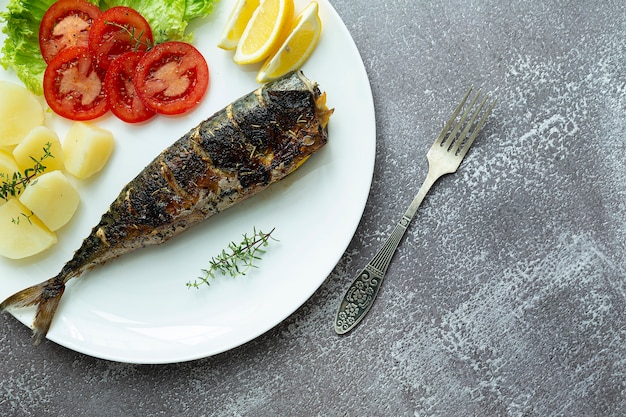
136, 38
16, 221
237, 259
12, 187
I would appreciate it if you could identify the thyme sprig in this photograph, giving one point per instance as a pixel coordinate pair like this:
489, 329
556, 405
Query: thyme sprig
12, 187
237, 259
16, 220
133, 35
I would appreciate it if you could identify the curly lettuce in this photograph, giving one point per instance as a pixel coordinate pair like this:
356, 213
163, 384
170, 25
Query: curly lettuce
20, 51
168, 18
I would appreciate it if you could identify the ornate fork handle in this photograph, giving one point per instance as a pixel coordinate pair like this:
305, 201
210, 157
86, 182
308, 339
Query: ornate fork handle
363, 290
360, 296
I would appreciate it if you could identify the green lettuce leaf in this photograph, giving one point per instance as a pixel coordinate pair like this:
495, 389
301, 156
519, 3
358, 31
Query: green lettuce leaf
168, 18
20, 51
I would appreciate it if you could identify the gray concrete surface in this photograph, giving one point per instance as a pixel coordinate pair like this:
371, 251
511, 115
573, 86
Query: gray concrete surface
507, 295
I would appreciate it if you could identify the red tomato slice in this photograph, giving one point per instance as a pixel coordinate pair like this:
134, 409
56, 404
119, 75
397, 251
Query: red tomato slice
120, 90
66, 23
72, 85
118, 29
172, 78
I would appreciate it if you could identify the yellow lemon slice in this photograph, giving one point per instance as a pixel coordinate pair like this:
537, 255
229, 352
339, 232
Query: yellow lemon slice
236, 23
264, 31
296, 48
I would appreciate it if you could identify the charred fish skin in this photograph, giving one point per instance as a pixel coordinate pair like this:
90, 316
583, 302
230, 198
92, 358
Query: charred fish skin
240, 150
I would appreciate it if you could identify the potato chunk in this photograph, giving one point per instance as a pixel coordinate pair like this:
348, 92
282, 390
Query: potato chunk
8, 166
32, 147
22, 234
52, 198
87, 148
20, 111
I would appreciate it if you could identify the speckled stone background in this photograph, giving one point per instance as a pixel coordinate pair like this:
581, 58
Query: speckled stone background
507, 295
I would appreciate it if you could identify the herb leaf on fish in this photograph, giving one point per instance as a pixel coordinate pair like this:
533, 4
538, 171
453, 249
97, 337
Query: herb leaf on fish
237, 259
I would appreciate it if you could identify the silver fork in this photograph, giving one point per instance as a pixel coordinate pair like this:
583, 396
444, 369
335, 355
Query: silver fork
444, 157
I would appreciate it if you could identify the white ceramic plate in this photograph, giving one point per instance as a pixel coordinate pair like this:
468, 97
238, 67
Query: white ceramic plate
138, 308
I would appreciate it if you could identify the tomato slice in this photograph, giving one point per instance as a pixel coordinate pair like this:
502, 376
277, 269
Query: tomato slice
72, 85
117, 30
120, 90
66, 23
172, 77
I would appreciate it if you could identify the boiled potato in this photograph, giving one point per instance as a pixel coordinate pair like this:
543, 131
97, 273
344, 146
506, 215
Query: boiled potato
52, 198
20, 236
20, 111
32, 146
8, 166
87, 148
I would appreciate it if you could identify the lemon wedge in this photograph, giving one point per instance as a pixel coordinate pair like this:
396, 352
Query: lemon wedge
236, 23
296, 48
264, 31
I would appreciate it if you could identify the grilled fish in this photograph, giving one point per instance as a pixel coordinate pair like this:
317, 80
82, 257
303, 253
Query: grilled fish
239, 151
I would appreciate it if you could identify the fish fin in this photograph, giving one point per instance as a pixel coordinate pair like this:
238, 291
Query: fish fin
46, 297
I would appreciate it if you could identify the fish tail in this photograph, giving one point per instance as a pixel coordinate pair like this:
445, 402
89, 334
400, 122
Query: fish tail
46, 297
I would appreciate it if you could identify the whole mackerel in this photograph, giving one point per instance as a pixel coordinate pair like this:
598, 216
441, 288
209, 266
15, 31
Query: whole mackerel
239, 151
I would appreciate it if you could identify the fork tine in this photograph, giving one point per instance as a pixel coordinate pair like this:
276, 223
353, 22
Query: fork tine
479, 126
460, 141
448, 125
454, 140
